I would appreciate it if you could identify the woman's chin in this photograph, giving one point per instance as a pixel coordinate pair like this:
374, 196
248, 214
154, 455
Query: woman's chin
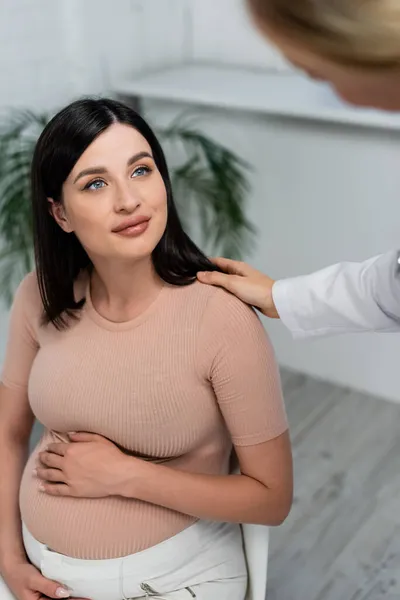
136, 254
129, 250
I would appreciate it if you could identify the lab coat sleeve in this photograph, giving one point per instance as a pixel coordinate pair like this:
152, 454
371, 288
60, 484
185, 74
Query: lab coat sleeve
343, 298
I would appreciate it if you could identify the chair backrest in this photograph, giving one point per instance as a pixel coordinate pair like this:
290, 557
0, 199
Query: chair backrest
256, 543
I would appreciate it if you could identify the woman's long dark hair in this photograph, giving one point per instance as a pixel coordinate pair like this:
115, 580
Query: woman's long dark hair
59, 256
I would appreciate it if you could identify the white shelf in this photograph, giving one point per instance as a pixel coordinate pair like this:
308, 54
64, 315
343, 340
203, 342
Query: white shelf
280, 94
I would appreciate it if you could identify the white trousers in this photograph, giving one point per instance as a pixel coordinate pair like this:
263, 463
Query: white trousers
204, 562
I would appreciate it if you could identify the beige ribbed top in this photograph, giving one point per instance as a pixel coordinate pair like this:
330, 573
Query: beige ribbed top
192, 374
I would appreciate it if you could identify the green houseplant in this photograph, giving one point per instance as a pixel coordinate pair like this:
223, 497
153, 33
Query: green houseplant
209, 183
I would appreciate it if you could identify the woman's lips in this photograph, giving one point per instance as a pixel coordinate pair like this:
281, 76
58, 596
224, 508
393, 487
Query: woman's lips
134, 230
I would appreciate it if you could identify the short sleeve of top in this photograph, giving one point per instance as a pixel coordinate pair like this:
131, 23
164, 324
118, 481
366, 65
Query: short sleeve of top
237, 357
22, 345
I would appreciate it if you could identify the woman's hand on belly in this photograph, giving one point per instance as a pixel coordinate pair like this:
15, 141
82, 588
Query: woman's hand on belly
89, 467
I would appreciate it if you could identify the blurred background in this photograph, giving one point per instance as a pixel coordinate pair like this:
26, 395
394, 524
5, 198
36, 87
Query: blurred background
323, 187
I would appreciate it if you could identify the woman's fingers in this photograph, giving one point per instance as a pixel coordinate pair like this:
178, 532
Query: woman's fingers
55, 489
59, 448
54, 475
49, 459
48, 588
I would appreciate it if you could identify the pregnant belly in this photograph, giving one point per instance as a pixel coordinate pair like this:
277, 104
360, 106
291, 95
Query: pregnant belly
94, 528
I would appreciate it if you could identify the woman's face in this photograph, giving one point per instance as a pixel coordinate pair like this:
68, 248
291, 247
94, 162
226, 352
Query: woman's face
361, 87
114, 199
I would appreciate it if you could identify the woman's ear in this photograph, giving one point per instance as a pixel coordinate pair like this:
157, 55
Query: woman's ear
57, 211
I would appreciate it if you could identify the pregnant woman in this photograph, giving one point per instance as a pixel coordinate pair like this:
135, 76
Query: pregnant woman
146, 382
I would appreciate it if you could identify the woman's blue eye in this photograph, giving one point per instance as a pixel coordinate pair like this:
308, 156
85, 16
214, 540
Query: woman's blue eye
140, 171
95, 185
98, 184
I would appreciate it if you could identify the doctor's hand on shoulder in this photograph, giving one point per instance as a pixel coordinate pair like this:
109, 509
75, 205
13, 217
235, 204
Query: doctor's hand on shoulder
348, 297
245, 282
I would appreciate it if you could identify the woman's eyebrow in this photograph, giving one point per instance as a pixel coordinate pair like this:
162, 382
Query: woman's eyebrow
102, 170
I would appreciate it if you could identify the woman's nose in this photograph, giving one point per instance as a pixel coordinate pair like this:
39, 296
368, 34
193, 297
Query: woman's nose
127, 200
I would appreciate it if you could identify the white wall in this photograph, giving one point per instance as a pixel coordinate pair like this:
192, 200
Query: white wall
126, 38
223, 32
320, 193
52, 51
32, 54
338, 200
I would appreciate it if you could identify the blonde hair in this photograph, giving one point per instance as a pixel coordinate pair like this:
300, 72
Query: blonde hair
364, 33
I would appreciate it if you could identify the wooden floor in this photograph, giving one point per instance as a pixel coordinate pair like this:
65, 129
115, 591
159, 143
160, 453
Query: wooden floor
342, 539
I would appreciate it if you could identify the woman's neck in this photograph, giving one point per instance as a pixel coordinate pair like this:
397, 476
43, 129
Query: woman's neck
123, 292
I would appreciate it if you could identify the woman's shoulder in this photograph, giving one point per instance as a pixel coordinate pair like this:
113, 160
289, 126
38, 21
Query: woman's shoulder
27, 293
221, 309
229, 327
27, 305
219, 299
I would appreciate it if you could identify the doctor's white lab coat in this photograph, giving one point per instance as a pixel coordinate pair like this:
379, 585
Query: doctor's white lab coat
343, 298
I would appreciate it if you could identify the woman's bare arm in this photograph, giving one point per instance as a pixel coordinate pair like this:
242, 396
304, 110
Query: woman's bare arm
16, 422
